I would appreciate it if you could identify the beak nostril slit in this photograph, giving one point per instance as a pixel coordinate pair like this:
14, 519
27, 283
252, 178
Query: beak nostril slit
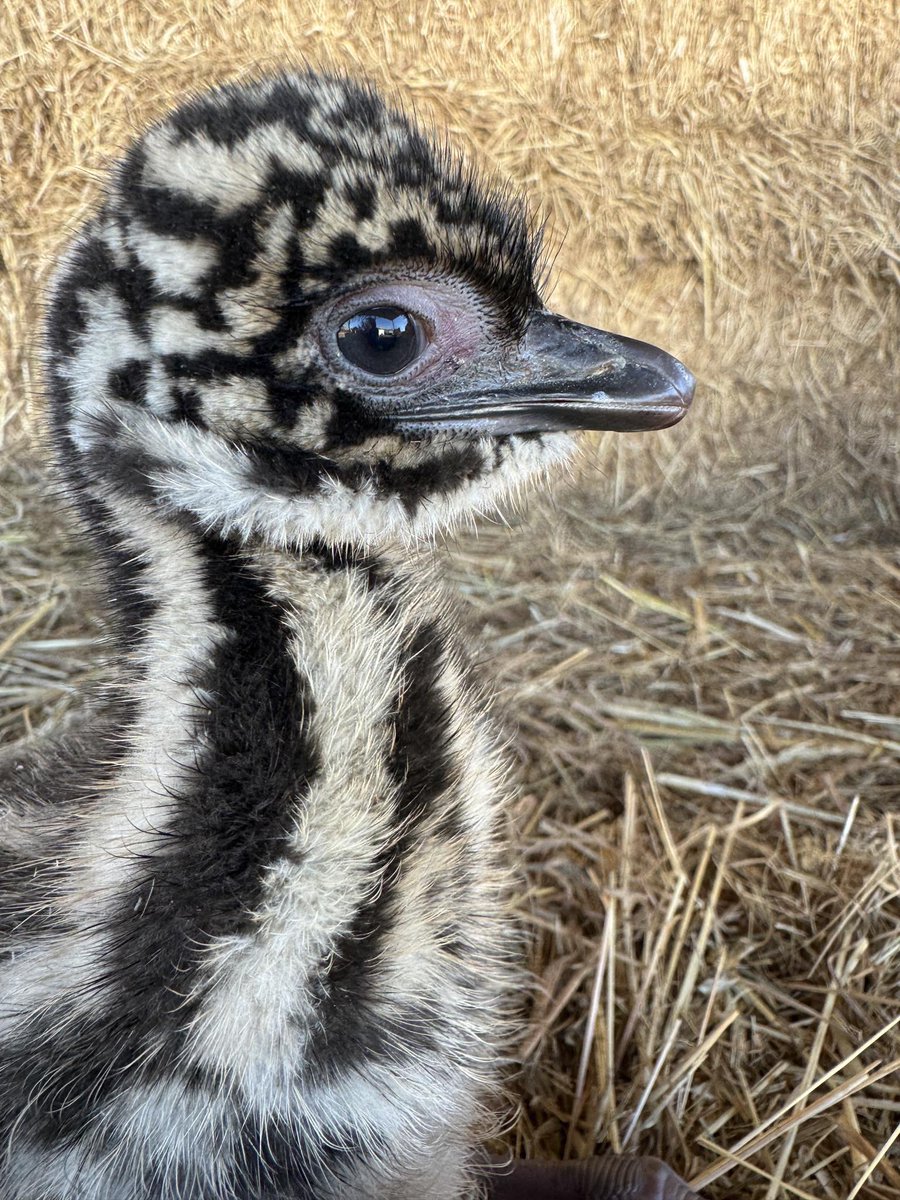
607, 368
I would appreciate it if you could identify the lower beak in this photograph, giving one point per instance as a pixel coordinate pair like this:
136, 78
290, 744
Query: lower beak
564, 376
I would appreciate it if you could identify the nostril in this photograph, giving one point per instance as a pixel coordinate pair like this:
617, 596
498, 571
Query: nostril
610, 366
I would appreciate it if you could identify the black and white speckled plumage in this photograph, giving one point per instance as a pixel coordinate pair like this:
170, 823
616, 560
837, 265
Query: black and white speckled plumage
181, 352
253, 916
253, 919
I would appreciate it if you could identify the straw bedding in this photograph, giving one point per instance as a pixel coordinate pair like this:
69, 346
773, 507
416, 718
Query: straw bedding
697, 641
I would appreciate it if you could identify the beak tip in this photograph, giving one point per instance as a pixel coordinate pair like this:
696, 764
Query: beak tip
683, 385
686, 385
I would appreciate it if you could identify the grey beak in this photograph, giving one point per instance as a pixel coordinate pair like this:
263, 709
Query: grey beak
564, 376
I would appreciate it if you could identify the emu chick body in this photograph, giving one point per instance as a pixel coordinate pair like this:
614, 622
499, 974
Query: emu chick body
254, 915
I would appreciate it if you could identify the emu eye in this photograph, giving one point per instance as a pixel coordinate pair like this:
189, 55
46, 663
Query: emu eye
382, 340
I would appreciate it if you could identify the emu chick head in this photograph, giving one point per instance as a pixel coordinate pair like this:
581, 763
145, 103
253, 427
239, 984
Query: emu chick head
297, 317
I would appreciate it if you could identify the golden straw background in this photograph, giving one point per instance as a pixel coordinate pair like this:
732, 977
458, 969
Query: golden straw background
698, 642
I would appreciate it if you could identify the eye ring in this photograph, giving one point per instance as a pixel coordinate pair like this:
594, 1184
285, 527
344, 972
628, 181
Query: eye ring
381, 339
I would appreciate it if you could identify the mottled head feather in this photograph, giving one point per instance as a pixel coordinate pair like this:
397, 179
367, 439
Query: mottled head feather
181, 357
363, 186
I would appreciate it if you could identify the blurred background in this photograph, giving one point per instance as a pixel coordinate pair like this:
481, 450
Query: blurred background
695, 639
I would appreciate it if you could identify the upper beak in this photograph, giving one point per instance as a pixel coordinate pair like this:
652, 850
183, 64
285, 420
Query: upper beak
564, 376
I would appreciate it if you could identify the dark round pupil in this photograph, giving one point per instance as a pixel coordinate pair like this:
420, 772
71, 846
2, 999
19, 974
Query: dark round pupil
380, 340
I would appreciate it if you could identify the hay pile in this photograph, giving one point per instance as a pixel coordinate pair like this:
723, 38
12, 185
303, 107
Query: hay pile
698, 643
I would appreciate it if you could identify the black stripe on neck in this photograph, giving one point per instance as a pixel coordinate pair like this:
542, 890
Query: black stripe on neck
421, 767
254, 759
